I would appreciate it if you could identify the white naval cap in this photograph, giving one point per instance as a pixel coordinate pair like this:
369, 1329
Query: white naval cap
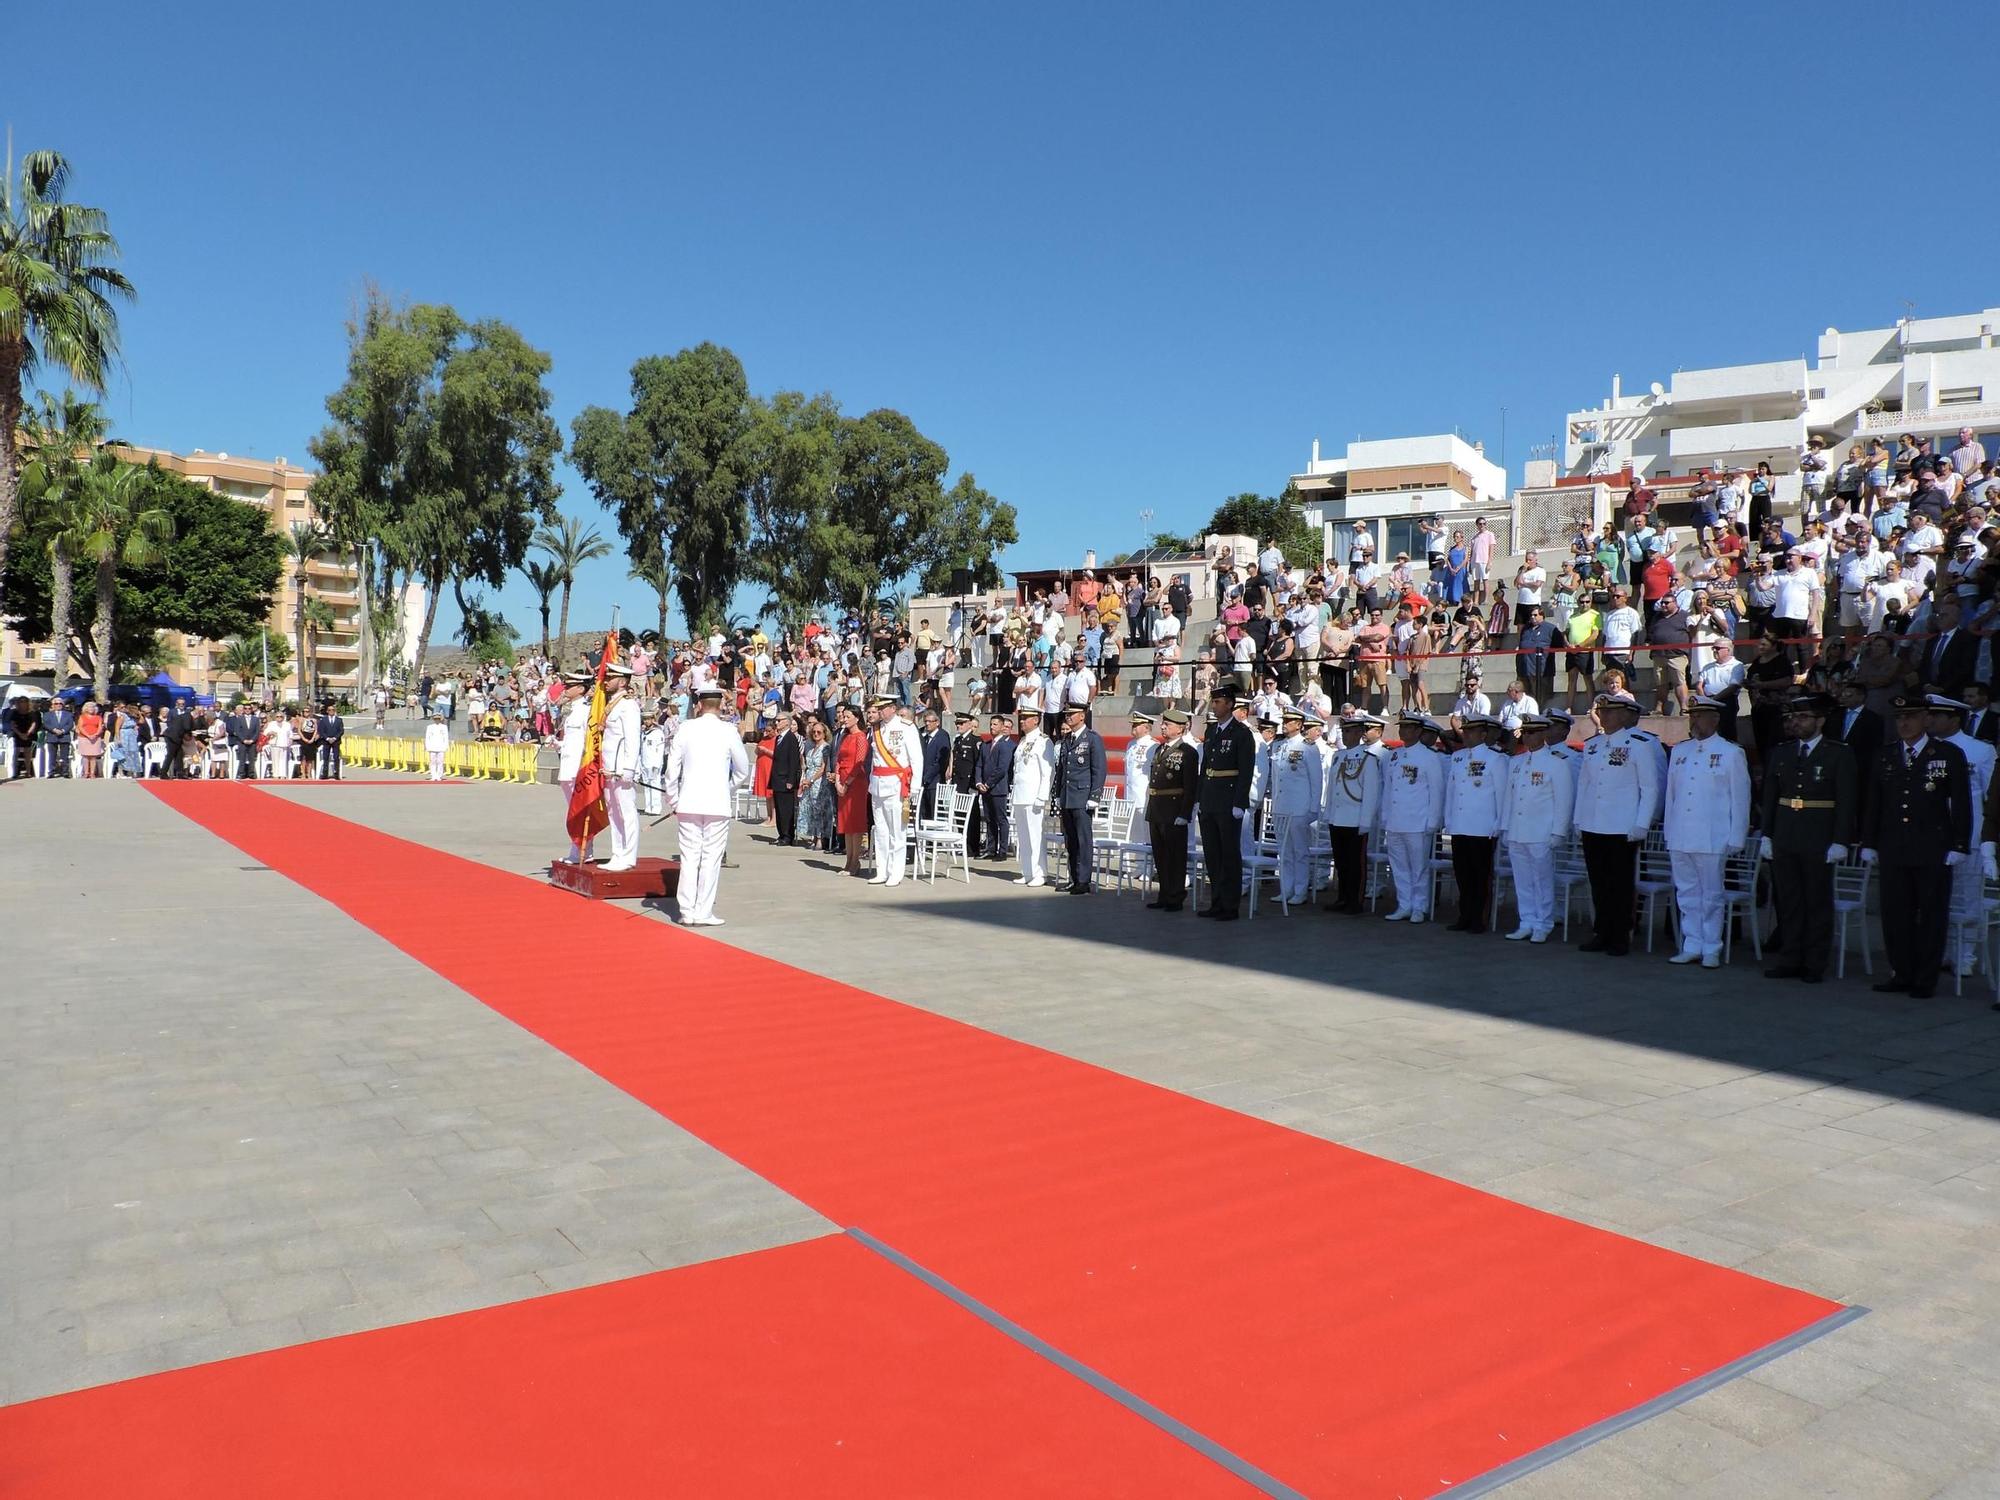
1938, 702
1703, 700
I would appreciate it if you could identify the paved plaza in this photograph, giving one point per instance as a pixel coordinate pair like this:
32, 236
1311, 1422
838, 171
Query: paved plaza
239, 1120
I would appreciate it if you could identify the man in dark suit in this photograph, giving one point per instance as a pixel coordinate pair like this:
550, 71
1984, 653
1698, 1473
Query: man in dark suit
964, 772
788, 768
1980, 720
995, 785
1809, 818
1946, 662
241, 727
173, 732
937, 759
331, 728
1081, 766
1917, 827
1856, 726
1228, 757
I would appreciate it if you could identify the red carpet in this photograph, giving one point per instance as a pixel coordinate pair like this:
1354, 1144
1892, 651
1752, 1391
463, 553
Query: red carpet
1355, 1327
814, 1370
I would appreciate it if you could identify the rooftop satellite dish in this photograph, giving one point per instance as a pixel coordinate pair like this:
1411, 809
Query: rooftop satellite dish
1658, 389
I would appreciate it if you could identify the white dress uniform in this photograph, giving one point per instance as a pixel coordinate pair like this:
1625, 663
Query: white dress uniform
1475, 792
703, 768
653, 765
1413, 785
437, 740
1541, 800
1618, 784
1138, 776
895, 744
1707, 811
569, 761
1351, 796
1034, 778
279, 745
1298, 776
1968, 875
620, 758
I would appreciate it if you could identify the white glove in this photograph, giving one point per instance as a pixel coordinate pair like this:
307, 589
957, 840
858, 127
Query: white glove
1764, 847
1868, 856
1090, 807
1237, 813
1954, 859
1835, 853
1637, 836
1180, 822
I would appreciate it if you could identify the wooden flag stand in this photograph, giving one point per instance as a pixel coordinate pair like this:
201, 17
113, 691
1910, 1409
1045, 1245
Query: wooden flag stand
649, 877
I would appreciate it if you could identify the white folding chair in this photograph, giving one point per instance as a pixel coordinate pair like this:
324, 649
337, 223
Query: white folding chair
1850, 899
1975, 932
1656, 880
1571, 876
1739, 893
947, 838
1110, 835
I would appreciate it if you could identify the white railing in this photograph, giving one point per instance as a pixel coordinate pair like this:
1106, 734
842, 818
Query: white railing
1950, 417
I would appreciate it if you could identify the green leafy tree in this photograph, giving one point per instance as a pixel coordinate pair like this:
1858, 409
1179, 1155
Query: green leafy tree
216, 580
114, 523
888, 495
441, 447
58, 288
62, 442
673, 470
570, 544
261, 657
544, 579
485, 634
970, 532
318, 618
1270, 517
658, 575
794, 455
304, 544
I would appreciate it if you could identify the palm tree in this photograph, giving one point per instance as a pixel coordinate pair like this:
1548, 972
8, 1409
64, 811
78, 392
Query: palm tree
56, 291
659, 577
109, 523
60, 441
245, 657
303, 544
318, 618
570, 546
543, 578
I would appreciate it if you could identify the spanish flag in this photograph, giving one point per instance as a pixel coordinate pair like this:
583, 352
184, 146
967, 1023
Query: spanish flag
587, 817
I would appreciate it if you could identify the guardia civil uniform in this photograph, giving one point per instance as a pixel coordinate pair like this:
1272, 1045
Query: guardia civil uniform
1541, 801
1296, 774
1228, 761
1706, 812
1413, 787
1171, 788
1351, 806
1475, 811
1808, 816
1620, 777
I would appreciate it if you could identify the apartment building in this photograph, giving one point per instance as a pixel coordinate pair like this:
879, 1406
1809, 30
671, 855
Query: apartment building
1391, 484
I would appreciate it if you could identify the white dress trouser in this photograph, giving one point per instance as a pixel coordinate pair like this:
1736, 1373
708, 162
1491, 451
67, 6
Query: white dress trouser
568, 785
1698, 894
621, 803
1410, 863
704, 840
1534, 868
649, 794
437, 764
1294, 857
885, 808
1030, 830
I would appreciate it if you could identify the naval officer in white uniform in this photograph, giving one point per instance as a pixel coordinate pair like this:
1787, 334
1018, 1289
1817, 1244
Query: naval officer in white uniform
1541, 800
1475, 810
1707, 819
1413, 782
1297, 778
1139, 774
704, 768
569, 754
1618, 785
620, 759
894, 786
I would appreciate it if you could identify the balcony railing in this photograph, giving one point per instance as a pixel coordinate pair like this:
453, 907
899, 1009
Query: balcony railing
1931, 418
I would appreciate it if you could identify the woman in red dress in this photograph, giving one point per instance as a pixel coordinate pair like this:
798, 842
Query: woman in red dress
850, 785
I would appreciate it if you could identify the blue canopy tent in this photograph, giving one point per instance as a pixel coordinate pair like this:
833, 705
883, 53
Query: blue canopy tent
157, 691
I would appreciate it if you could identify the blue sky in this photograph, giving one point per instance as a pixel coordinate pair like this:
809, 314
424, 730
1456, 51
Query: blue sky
1114, 257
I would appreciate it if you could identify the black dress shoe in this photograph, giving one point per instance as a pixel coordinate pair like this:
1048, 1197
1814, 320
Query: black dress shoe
1458, 927
1155, 905
1616, 952
1892, 986
1208, 913
1475, 931
1593, 946
1922, 992
1176, 906
1225, 916
1079, 890
1784, 971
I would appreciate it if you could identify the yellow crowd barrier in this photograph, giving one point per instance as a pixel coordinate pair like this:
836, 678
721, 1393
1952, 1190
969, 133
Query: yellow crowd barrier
472, 760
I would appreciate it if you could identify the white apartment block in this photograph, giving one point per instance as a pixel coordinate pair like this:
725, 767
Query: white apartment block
1925, 376
1391, 484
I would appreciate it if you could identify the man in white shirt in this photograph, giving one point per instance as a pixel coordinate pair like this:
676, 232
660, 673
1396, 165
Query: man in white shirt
569, 754
703, 770
1034, 781
1471, 702
1621, 626
1796, 614
896, 781
620, 759
1859, 565
1529, 580
1706, 810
